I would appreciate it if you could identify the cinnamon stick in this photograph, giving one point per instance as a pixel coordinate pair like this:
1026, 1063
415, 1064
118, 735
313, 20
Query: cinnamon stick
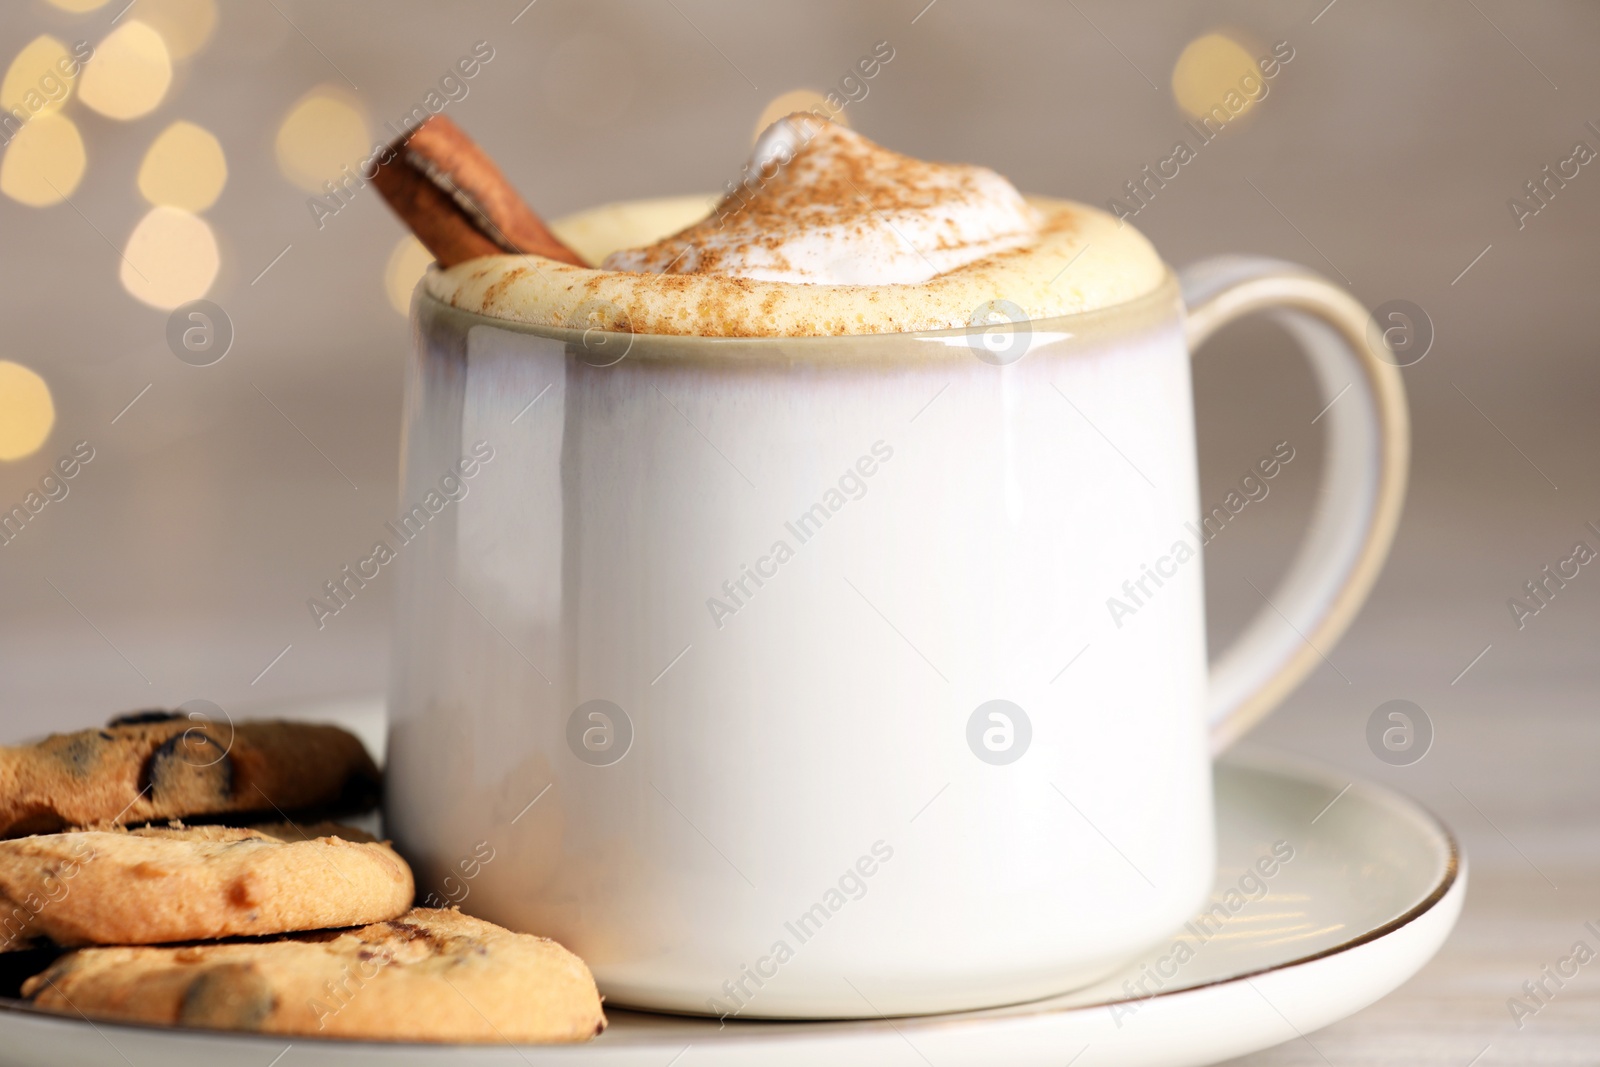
457, 202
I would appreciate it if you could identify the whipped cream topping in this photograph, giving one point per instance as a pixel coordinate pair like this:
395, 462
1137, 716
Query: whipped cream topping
844, 238
822, 205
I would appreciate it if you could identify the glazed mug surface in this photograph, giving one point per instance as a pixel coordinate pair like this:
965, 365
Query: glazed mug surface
847, 676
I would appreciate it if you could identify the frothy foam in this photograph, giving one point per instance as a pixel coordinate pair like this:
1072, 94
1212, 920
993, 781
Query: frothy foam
824, 205
845, 238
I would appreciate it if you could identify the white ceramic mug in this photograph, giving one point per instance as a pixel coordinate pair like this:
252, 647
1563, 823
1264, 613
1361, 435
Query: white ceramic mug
781, 678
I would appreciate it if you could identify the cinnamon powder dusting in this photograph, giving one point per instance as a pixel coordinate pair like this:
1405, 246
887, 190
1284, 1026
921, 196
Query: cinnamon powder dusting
822, 204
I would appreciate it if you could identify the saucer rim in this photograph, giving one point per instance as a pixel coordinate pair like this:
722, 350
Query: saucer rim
1454, 864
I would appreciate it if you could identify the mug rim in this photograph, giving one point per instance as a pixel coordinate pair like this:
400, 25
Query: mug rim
1147, 311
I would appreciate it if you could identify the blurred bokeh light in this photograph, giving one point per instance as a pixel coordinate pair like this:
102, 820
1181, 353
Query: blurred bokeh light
184, 167
34, 81
129, 74
44, 162
185, 25
78, 6
324, 132
171, 258
407, 263
1208, 69
26, 411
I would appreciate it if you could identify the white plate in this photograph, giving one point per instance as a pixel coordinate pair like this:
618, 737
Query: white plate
1373, 888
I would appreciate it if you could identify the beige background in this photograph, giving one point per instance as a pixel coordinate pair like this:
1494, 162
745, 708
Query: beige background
1387, 150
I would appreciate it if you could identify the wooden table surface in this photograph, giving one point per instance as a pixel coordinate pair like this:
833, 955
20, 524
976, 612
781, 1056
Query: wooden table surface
1513, 771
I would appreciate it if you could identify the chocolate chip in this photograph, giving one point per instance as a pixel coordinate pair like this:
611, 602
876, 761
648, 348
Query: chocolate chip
139, 718
240, 893
80, 752
192, 764
228, 996
415, 933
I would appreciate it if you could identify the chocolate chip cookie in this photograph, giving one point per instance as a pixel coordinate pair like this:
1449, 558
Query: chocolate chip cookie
157, 765
430, 975
157, 884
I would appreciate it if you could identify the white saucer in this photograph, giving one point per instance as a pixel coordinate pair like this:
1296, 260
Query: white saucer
1373, 888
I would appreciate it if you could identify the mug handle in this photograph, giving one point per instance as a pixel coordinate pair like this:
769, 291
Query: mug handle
1363, 478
